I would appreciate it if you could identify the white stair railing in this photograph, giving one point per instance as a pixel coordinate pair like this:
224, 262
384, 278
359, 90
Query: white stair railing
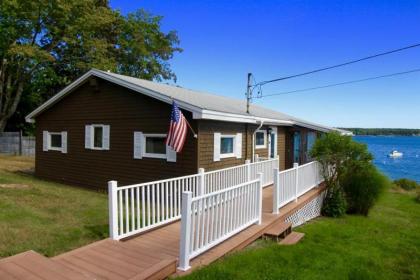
137, 208
292, 183
140, 207
210, 219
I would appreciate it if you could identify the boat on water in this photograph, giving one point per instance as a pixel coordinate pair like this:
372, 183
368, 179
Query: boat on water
395, 154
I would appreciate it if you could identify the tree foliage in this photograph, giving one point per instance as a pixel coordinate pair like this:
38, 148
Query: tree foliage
44, 45
384, 131
349, 173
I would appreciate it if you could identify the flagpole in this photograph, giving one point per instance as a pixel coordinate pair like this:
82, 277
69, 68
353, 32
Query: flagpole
195, 135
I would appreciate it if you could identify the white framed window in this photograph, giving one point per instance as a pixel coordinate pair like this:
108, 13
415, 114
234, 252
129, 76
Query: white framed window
97, 137
227, 146
152, 145
55, 141
260, 139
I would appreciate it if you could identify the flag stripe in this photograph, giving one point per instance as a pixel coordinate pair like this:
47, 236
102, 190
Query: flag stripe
177, 129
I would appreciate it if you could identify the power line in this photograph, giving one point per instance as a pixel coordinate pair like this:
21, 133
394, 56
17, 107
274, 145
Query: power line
343, 83
338, 65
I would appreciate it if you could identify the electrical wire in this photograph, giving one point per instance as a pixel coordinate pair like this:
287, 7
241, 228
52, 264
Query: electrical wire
343, 83
338, 65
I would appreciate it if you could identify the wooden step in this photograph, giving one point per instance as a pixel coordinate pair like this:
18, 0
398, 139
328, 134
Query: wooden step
292, 238
161, 270
31, 265
278, 230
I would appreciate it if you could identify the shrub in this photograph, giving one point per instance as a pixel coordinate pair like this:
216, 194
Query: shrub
418, 196
406, 184
334, 203
363, 188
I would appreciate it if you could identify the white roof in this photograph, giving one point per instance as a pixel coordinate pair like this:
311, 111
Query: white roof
203, 105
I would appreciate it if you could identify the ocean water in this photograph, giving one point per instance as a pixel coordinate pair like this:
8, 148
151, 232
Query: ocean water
407, 166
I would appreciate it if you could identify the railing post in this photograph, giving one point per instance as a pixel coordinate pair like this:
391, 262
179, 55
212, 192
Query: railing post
276, 190
259, 199
257, 158
184, 250
113, 209
296, 166
248, 170
202, 183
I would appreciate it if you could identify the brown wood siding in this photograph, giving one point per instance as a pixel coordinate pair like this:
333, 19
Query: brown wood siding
125, 111
303, 156
281, 146
206, 130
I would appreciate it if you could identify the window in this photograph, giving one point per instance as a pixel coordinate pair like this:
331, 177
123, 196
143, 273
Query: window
152, 146
310, 141
155, 145
98, 134
260, 139
97, 137
296, 147
226, 146
54, 141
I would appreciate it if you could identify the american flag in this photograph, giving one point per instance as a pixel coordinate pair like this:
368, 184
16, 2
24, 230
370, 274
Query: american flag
177, 129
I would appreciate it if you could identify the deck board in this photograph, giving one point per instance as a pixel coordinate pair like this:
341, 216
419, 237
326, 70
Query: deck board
151, 255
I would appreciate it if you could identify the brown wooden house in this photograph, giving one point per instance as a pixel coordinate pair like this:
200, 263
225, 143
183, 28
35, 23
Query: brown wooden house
106, 126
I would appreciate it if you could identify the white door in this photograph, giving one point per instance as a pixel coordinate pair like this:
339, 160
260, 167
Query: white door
272, 143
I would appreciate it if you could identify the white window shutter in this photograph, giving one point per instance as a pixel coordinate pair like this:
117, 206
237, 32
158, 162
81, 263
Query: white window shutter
88, 137
138, 144
216, 147
238, 145
45, 141
64, 142
105, 137
170, 154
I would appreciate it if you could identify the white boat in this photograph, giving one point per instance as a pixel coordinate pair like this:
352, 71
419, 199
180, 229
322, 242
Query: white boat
395, 154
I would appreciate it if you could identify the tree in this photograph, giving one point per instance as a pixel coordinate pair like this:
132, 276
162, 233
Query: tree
44, 45
353, 182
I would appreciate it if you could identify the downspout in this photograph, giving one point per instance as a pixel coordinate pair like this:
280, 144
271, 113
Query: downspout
253, 140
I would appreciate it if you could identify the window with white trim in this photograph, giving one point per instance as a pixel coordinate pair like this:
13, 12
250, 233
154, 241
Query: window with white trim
260, 139
227, 146
97, 137
55, 141
152, 145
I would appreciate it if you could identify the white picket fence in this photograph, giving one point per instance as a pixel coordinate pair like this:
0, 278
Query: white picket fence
137, 208
210, 219
291, 183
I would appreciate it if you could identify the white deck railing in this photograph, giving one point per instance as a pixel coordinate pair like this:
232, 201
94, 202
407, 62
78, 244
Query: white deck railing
291, 183
212, 218
137, 208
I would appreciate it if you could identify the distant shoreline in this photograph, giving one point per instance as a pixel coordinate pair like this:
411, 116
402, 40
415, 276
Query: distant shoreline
384, 131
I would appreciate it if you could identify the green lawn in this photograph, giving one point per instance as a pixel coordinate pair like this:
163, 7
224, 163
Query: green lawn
46, 217
385, 245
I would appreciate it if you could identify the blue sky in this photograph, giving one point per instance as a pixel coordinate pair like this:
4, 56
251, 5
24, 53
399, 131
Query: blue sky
224, 40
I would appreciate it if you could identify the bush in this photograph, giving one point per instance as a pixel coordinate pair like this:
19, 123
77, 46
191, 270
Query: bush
334, 203
418, 196
363, 188
406, 184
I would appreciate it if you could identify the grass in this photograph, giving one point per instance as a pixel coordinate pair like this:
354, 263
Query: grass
47, 217
385, 245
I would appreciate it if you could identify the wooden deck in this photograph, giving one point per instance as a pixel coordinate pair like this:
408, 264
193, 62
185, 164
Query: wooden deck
152, 255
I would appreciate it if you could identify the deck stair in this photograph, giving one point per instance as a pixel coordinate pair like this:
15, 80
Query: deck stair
278, 231
292, 238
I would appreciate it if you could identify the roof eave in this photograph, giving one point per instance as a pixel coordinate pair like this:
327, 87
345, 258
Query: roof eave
183, 105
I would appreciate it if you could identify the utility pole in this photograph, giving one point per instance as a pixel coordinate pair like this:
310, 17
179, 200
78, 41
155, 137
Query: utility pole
248, 92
